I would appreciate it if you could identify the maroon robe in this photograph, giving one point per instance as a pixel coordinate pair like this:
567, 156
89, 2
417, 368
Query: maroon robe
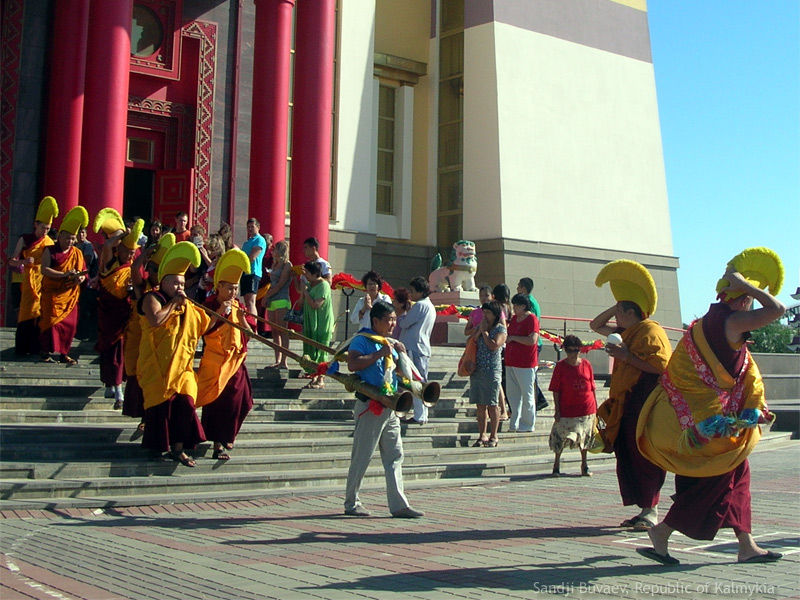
112, 317
57, 339
172, 422
704, 505
223, 418
639, 480
133, 402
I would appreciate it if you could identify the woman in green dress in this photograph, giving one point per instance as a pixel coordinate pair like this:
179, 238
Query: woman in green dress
317, 316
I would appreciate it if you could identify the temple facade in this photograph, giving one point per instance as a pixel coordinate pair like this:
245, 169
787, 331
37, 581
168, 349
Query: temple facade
386, 129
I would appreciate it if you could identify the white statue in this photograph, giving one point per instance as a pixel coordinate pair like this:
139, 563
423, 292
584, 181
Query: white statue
460, 274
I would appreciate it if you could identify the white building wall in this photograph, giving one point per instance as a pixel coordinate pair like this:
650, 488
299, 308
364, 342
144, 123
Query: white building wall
357, 110
579, 143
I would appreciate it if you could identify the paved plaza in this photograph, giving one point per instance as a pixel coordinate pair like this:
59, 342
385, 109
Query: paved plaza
517, 537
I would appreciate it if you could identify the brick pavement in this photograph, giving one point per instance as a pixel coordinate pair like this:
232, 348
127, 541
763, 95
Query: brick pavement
518, 537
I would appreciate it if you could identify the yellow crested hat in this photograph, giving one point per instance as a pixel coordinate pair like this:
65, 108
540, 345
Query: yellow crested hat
178, 258
760, 266
74, 220
230, 266
165, 242
132, 239
109, 220
47, 211
630, 281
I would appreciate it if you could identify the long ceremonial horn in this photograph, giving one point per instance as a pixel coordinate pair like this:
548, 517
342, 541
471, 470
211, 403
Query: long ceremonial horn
427, 392
401, 402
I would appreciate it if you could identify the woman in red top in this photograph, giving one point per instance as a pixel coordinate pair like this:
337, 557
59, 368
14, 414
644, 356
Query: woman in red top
522, 355
575, 404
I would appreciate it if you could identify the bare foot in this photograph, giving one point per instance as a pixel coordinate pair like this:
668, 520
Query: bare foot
748, 549
659, 536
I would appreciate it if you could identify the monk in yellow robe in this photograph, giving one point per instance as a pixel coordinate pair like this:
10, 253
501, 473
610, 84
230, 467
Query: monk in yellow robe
27, 262
144, 277
171, 328
63, 272
224, 386
704, 418
638, 362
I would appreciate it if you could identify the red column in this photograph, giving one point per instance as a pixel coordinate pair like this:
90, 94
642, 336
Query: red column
105, 110
312, 125
270, 114
65, 110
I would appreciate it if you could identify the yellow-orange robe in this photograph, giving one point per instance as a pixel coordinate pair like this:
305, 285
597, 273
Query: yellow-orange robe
645, 340
676, 446
224, 352
60, 296
31, 286
166, 354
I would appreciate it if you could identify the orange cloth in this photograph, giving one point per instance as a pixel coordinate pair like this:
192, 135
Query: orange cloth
659, 434
223, 354
30, 302
645, 340
60, 296
166, 355
116, 280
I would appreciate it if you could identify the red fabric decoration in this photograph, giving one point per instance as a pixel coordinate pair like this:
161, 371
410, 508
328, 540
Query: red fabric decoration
345, 280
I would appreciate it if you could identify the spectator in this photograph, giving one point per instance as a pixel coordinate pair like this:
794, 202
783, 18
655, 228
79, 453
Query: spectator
521, 358
401, 304
317, 317
373, 284
156, 229
254, 247
484, 383
214, 248
277, 299
311, 252
227, 236
484, 295
415, 333
575, 405
181, 229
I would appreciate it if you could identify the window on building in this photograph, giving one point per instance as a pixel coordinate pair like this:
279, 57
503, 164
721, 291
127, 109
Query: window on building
384, 200
450, 189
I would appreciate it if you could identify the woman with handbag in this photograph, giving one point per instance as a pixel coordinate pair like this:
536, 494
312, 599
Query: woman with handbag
484, 381
277, 299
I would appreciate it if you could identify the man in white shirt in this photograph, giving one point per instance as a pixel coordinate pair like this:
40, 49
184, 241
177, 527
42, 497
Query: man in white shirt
415, 333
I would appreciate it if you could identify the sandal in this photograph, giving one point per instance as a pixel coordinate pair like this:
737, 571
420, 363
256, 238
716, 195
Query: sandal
480, 442
69, 361
629, 522
585, 472
642, 524
556, 472
220, 454
491, 443
184, 459
48, 359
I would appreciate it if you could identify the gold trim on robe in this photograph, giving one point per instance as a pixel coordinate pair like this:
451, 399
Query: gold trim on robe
60, 296
223, 353
31, 285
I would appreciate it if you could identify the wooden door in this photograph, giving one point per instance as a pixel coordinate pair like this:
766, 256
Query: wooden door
174, 192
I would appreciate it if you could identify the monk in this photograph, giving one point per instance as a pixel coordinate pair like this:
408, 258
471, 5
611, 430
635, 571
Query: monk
63, 272
113, 298
638, 362
704, 418
27, 257
171, 328
144, 278
224, 386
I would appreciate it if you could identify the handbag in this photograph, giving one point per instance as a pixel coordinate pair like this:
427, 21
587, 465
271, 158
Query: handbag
541, 401
294, 314
466, 364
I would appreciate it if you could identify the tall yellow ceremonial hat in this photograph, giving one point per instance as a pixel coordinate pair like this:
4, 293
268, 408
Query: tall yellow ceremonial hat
74, 220
178, 258
165, 242
47, 211
132, 239
760, 266
109, 220
630, 281
230, 266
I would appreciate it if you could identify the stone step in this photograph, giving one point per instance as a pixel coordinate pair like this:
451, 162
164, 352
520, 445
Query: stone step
99, 449
140, 466
183, 480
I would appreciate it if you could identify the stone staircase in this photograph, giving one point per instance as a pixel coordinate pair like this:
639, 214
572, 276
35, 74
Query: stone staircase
62, 444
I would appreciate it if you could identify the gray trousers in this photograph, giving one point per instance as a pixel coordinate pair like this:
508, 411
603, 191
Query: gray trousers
371, 431
421, 362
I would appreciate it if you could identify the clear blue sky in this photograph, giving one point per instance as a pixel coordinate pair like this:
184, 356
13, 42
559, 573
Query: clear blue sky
727, 76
